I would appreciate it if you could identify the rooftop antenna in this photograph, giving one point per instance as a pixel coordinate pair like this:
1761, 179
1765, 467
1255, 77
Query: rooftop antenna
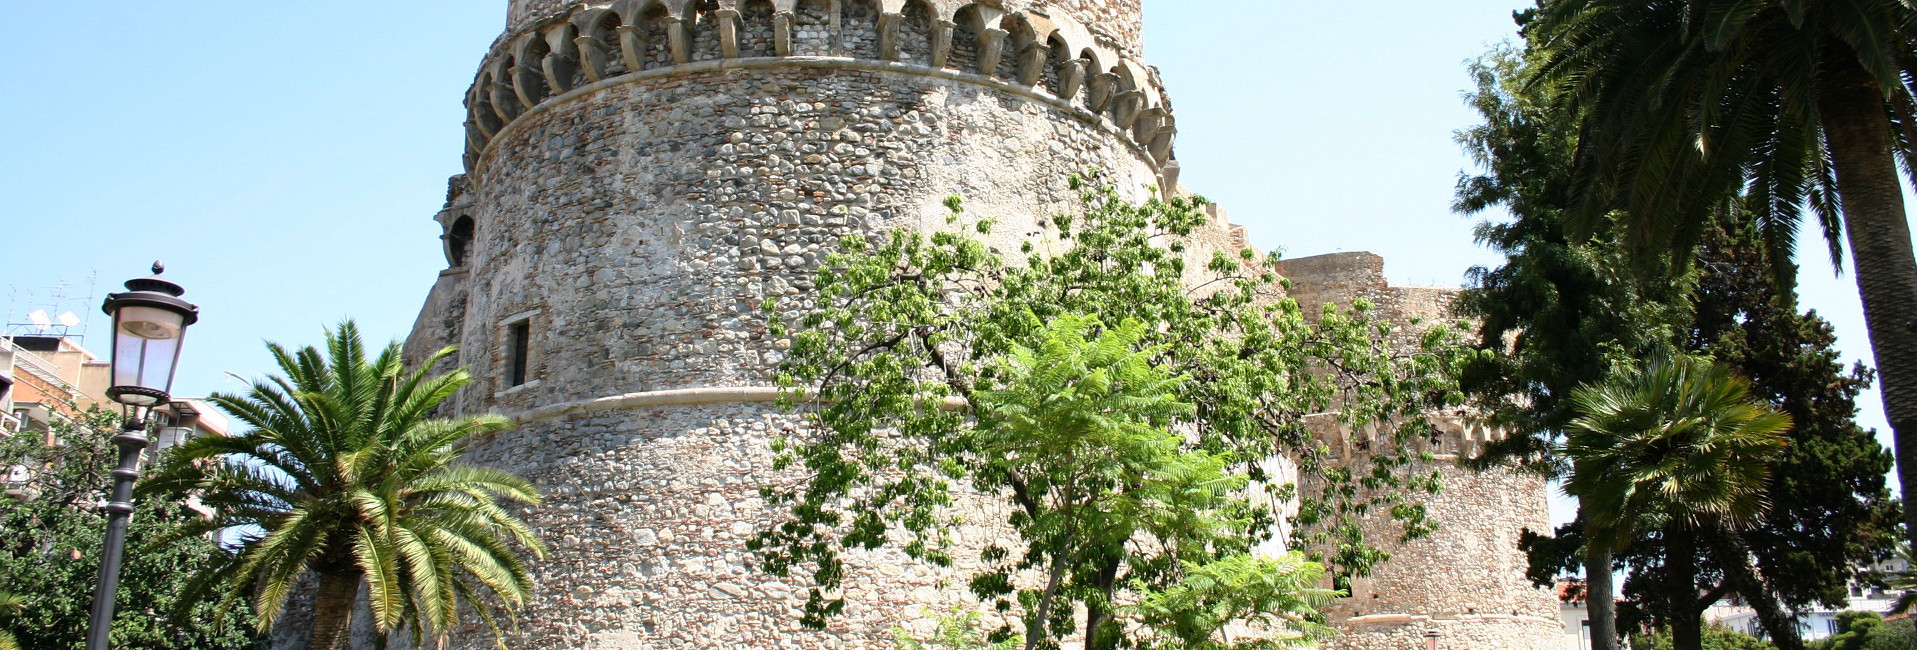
55, 311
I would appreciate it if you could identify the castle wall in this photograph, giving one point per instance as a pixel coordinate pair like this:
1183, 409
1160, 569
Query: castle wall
637, 227
1467, 580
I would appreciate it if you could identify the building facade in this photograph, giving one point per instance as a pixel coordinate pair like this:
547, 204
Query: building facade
643, 174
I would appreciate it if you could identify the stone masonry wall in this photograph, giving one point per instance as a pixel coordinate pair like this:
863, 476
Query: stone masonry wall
1466, 581
637, 229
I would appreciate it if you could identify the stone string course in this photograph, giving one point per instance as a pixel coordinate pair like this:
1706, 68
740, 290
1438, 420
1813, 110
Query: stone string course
636, 214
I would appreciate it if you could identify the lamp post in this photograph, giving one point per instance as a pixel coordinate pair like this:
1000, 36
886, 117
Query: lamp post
149, 326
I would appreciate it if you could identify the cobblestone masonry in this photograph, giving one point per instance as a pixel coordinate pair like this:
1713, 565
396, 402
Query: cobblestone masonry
641, 175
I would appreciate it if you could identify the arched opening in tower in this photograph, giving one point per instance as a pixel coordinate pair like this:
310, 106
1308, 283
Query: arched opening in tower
531, 73
653, 21
702, 31
1058, 55
964, 56
860, 29
915, 33
812, 27
1019, 36
605, 33
756, 39
459, 241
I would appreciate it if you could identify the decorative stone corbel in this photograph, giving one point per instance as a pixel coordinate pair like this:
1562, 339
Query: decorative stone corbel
1161, 147
1125, 108
558, 70
562, 59
889, 35
632, 47
1031, 63
593, 56
505, 101
991, 43
1168, 177
524, 77
942, 43
475, 140
676, 37
1103, 86
782, 33
1071, 78
728, 32
1145, 129
483, 117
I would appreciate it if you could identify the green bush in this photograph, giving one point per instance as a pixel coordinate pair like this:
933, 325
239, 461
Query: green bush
1716, 637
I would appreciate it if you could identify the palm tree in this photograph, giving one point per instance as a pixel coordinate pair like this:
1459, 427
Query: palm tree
11, 605
1685, 104
346, 474
1681, 444
1904, 582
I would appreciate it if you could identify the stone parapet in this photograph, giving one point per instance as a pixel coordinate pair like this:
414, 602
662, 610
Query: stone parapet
551, 51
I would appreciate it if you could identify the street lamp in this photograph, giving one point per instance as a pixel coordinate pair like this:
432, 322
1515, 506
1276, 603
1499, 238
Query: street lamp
149, 325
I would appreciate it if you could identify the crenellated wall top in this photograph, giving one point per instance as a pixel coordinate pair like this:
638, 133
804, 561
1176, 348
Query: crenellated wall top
1041, 50
1115, 25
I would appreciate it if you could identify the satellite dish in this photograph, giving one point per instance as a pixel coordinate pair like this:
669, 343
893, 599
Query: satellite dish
40, 320
68, 320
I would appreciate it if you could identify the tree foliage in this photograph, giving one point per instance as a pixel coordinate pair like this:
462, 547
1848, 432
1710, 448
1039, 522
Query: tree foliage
50, 554
897, 365
1869, 631
1716, 637
1690, 109
345, 473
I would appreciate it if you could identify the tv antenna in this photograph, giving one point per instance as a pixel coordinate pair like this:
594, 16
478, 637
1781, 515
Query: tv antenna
52, 312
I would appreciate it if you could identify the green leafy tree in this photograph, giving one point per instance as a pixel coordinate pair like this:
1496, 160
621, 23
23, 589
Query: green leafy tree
1680, 445
1559, 312
896, 365
1684, 105
11, 605
1869, 631
1903, 581
1716, 637
50, 553
345, 473
1831, 508
961, 630
1571, 309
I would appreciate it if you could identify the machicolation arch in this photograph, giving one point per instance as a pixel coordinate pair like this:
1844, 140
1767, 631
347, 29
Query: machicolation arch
629, 39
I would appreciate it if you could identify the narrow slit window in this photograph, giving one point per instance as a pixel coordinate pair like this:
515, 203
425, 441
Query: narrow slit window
518, 336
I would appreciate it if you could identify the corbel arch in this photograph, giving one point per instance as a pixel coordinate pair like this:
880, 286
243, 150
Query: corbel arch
918, 31
1020, 41
601, 54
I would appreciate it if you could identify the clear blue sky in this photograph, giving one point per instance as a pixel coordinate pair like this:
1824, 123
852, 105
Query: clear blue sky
285, 158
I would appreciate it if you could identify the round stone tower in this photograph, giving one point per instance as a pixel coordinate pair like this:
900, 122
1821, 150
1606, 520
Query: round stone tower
643, 174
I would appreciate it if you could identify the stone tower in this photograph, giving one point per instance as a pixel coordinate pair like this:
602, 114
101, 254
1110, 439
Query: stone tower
642, 174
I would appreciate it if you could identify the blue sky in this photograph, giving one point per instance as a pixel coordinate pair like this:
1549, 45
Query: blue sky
285, 159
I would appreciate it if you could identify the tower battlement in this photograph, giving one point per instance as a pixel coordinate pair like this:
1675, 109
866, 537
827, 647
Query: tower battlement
1042, 53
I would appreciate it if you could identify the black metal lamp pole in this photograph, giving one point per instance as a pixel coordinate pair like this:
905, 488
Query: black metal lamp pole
149, 325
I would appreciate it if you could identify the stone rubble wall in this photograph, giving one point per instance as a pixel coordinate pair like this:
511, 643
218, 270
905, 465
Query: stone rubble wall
1467, 580
638, 228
